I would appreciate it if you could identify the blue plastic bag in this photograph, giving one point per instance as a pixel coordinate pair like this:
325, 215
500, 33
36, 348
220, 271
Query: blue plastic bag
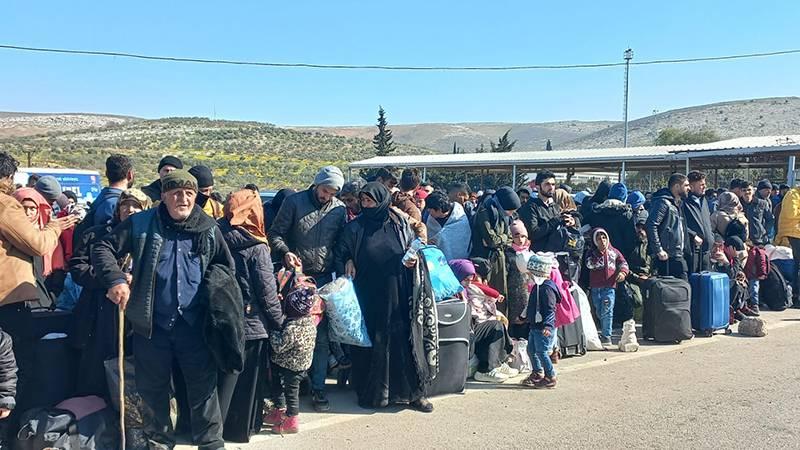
70, 295
345, 322
443, 281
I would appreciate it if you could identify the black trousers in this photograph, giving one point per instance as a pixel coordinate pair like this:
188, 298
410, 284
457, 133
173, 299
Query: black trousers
490, 344
246, 404
154, 359
286, 389
795, 243
673, 267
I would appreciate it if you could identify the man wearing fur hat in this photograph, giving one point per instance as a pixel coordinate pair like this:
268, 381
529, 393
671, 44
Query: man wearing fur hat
304, 235
173, 247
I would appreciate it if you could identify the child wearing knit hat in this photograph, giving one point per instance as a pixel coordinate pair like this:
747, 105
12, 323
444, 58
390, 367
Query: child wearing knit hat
542, 318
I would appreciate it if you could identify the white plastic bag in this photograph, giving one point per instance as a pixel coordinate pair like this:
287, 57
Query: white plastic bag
521, 360
589, 329
345, 321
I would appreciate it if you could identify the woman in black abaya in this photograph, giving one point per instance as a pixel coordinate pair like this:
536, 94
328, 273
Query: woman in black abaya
403, 357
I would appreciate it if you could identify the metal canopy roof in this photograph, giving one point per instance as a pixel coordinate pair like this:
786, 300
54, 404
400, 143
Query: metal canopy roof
740, 152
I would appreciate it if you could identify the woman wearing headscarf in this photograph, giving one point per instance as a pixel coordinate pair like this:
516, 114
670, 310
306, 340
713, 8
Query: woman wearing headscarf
396, 303
729, 209
600, 196
95, 327
39, 213
243, 229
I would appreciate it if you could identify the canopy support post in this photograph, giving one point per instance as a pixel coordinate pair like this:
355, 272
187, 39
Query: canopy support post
791, 178
622, 174
514, 176
424, 174
687, 166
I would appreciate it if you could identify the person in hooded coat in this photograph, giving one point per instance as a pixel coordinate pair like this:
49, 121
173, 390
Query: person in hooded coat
243, 231
600, 195
95, 325
491, 234
616, 217
448, 226
401, 362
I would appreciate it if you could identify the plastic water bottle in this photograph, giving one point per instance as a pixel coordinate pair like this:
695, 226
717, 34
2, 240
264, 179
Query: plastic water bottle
411, 253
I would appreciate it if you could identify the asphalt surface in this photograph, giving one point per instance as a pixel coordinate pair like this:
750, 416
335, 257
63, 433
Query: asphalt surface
720, 392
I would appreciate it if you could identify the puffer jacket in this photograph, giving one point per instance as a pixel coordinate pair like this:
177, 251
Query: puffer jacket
721, 219
789, 219
19, 243
293, 347
758, 213
8, 373
664, 226
541, 221
617, 219
309, 230
254, 274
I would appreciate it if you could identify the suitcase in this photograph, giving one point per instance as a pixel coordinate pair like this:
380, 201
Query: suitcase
710, 302
667, 309
455, 326
775, 291
571, 339
52, 386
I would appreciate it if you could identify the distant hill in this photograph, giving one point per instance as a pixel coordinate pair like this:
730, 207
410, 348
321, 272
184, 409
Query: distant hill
757, 117
238, 152
469, 136
14, 124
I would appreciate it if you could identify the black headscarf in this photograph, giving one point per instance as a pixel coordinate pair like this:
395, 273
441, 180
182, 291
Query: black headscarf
601, 194
378, 215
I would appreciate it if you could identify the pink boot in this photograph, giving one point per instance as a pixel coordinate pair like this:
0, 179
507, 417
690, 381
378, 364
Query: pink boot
274, 417
289, 425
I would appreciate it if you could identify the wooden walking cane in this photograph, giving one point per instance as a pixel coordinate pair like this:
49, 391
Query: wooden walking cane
121, 361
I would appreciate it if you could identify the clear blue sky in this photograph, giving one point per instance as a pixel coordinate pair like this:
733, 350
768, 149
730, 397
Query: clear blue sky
393, 33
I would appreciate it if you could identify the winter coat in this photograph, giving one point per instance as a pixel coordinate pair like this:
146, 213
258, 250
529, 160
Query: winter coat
309, 230
789, 220
293, 347
405, 202
491, 236
721, 219
254, 274
640, 262
543, 300
84, 275
604, 267
19, 243
617, 219
8, 372
758, 213
455, 237
223, 330
153, 190
698, 223
142, 236
348, 246
665, 229
483, 302
541, 221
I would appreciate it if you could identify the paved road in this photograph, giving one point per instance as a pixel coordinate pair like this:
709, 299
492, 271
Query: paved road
725, 392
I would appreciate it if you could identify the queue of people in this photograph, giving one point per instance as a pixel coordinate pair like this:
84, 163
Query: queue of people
221, 304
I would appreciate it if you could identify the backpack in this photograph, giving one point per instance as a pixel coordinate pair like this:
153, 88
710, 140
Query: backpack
572, 240
774, 291
88, 220
758, 264
42, 428
291, 282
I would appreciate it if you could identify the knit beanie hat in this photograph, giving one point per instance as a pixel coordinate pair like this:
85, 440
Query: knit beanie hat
178, 179
764, 184
170, 160
203, 175
330, 176
299, 302
462, 268
508, 199
517, 227
618, 192
540, 266
50, 189
636, 199
482, 266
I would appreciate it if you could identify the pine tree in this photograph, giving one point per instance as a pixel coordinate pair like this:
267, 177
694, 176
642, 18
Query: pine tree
383, 140
503, 145
549, 146
455, 149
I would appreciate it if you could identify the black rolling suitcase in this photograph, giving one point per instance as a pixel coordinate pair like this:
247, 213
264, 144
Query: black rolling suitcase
455, 325
667, 310
54, 362
571, 339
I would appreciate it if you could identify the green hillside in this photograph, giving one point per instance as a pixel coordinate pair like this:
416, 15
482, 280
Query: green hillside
238, 152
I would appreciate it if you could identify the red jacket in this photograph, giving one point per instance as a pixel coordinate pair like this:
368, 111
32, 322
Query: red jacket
604, 267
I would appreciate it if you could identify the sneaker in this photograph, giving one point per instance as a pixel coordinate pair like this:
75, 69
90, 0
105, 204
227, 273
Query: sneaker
749, 312
532, 379
738, 316
546, 383
495, 376
605, 341
473, 366
289, 425
320, 401
274, 416
555, 356
756, 310
422, 405
505, 369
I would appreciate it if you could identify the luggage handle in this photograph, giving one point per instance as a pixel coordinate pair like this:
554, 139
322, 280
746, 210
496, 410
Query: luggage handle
442, 322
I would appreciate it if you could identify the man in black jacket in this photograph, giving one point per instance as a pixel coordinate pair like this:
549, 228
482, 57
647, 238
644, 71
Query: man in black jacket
759, 214
666, 232
304, 235
167, 164
698, 224
171, 247
542, 215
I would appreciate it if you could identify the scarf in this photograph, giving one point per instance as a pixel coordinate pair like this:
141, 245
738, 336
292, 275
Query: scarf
45, 210
424, 327
244, 210
728, 202
374, 218
196, 224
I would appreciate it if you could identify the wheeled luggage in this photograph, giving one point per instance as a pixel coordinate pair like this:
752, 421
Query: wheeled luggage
710, 302
455, 325
571, 340
667, 310
775, 291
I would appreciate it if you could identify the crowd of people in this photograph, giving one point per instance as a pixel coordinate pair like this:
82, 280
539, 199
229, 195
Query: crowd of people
220, 293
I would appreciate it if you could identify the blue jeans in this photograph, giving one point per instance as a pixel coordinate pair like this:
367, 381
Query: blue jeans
752, 287
539, 351
603, 299
322, 346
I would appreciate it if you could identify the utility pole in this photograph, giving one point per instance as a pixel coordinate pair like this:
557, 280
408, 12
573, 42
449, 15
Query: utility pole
628, 55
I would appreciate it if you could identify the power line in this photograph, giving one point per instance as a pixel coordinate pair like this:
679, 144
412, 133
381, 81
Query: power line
384, 67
